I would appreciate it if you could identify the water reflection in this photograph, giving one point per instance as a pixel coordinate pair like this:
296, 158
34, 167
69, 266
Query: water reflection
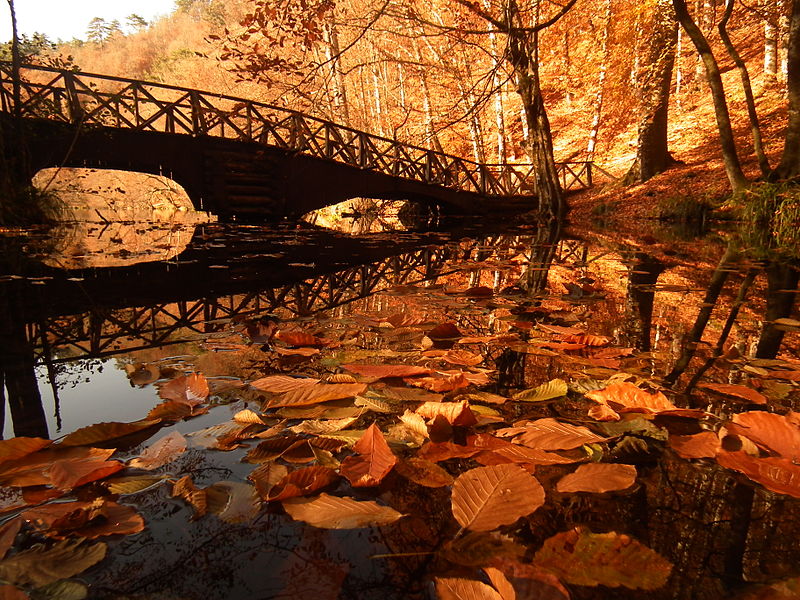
672, 317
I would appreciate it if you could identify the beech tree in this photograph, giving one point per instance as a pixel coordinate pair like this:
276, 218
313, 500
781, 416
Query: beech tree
789, 167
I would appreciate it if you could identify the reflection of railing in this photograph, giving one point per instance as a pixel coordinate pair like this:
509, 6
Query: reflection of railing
104, 332
100, 100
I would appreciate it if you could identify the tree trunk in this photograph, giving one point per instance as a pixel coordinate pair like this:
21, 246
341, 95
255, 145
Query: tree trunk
770, 45
638, 320
601, 84
782, 280
333, 53
733, 168
499, 110
752, 115
790, 161
652, 154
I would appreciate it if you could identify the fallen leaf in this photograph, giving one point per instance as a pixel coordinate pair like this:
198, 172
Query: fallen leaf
20, 446
479, 548
232, 501
296, 351
456, 413
161, 452
547, 391
302, 482
586, 339
248, 417
66, 474
266, 477
781, 475
456, 588
737, 391
8, 532
445, 383
500, 583
581, 557
462, 358
175, 411
551, 434
705, 444
102, 433
374, 460
598, 478
131, 484
279, 384
444, 331
387, 371
486, 497
35, 469
85, 519
626, 397
770, 431
424, 472
315, 394
332, 512
530, 581
301, 338
40, 566
189, 389
186, 489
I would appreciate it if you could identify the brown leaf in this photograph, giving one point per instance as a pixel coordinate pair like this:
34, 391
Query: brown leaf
34, 469
598, 478
581, 557
9, 592
424, 472
456, 588
444, 331
248, 417
586, 339
531, 582
85, 519
775, 433
705, 444
332, 512
70, 473
447, 383
161, 452
387, 371
266, 477
20, 446
272, 448
500, 583
302, 482
374, 461
296, 351
456, 413
232, 501
175, 411
186, 489
340, 378
522, 455
314, 394
190, 389
626, 397
478, 548
40, 566
738, 391
551, 434
487, 497
781, 475
278, 384
102, 433
462, 358
8, 532
301, 338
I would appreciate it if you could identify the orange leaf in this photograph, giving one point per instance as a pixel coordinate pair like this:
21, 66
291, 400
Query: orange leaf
301, 338
161, 452
332, 512
20, 446
175, 411
586, 339
302, 482
773, 432
296, 351
738, 391
462, 358
190, 389
611, 559
445, 331
8, 531
85, 519
267, 476
456, 413
387, 371
424, 472
272, 448
488, 497
626, 397
374, 461
705, 444
34, 469
440, 384
71, 473
186, 489
456, 588
314, 394
780, 475
514, 453
278, 384
102, 433
598, 478
550, 434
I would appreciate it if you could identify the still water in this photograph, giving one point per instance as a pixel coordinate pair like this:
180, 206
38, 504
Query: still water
92, 331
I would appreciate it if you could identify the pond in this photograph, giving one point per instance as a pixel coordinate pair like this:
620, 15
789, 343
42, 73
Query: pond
290, 411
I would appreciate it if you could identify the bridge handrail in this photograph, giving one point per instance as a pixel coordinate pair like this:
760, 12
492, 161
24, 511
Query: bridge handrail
294, 130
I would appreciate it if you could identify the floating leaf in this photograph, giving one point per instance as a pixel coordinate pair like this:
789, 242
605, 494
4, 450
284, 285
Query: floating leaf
705, 444
65, 589
781, 475
67, 474
35, 468
266, 477
296, 351
487, 497
446, 383
161, 452
551, 434
547, 391
175, 411
374, 461
581, 557
314, 394
302, 482
85, 519
131, 484
332, 512
186, 489
530, 581
374, 404
248, 417
626, 397
424, 472
8, 532
462, 358
738, 391
301, 338
40, 566
189, 389
456, 588
323, 427
598, 478
20, 446
102, 433
445, 331
456, 413
478, 548
387, 371
232, 501
500, 583
279, 384
586, 339
776, 433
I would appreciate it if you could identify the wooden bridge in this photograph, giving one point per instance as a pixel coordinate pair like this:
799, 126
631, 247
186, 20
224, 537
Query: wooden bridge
237, 157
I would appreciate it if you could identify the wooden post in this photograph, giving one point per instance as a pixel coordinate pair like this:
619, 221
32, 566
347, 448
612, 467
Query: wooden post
76, 112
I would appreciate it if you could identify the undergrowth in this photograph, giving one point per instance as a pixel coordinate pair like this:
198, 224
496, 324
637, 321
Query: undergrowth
770, 219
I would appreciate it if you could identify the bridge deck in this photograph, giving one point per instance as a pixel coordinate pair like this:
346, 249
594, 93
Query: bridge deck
99, 101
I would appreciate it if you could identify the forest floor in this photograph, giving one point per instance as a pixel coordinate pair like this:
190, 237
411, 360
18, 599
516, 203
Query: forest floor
698, 174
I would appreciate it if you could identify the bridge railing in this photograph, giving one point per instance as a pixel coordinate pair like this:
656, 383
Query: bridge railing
100, 100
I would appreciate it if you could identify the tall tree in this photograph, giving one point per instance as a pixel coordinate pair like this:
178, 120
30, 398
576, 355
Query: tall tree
789, 167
